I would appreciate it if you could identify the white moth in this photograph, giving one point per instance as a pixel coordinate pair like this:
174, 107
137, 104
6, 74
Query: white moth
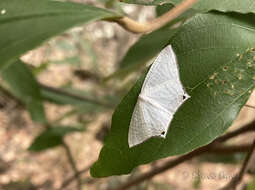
161, 95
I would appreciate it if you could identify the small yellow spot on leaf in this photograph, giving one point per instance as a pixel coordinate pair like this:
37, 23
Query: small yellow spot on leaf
240, 76
229, 92
225, 68
3, 11
213, 76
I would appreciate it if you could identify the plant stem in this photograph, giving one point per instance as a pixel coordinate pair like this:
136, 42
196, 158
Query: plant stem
238, 178
157, 23
173, 163
75, 96
73, 165
70, 179
249, 106
246, 128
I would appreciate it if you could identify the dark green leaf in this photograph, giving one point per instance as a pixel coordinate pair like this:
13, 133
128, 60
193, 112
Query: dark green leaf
218, 82
25, 24
51, 137
24, 85
240, 6
147, 47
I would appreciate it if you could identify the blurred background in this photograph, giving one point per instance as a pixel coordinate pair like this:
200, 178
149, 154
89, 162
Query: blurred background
80, 61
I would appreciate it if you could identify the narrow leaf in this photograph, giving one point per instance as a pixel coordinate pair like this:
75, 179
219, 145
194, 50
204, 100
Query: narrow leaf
24, 85
51, 137
25, 24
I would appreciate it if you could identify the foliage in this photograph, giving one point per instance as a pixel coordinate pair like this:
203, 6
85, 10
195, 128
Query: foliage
217, 94
48, 18
24, 85
51, 137
216, 63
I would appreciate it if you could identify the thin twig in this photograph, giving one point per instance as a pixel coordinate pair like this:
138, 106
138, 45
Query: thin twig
249, 106
172, 163
73, 165
157, 23
246, 128
218, 150
75, 96
238, 178
70, 179
230, 149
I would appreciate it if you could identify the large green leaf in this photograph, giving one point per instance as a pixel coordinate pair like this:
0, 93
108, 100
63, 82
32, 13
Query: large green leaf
241, 6
24, 85
25, 24
51, 137
218, 82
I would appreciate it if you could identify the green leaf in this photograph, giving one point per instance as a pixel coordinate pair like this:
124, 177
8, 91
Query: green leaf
243, 6
143, 51
162, 9
147, 47
51, 137
24, 85
218, 82
28, 23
